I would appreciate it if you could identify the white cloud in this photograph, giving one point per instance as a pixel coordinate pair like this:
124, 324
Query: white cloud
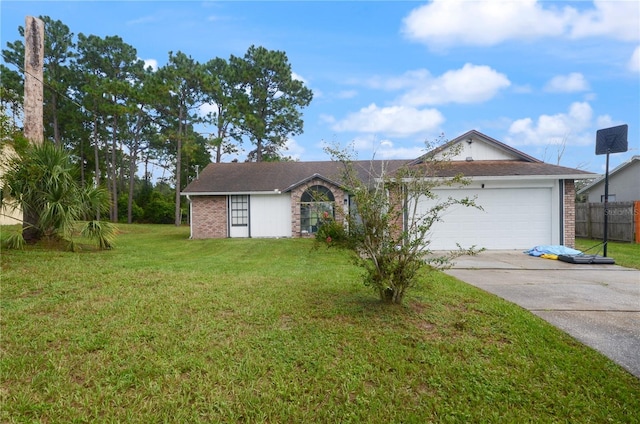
293, 149
407, 80
443, 23
328, 119
572, 83
207, 108
400, 121
391, 152
299, 78
605, 121
470, 84
634, 62
619, 20
573, 126
347, 94
142, 20
151, 62
369, 147
522, 89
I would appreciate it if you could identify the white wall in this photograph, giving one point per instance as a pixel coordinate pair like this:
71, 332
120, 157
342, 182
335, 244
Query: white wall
270, 215
478, 150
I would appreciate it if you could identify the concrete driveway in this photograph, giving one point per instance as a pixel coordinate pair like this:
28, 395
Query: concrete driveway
599, 305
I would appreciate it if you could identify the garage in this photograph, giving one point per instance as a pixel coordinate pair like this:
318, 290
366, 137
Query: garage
511, 218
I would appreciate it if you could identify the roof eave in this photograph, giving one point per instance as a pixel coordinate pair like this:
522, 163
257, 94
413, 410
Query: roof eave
230, 193
309, 178
519, 177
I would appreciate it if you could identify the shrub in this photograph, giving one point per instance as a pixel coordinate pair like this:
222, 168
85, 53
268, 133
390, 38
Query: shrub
388, 234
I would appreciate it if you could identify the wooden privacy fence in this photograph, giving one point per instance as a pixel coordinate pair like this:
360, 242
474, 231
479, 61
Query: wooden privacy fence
623, 222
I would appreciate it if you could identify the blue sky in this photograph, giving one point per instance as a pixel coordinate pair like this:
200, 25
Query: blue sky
387, 76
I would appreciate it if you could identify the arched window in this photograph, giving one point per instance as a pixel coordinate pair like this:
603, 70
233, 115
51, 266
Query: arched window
315, 203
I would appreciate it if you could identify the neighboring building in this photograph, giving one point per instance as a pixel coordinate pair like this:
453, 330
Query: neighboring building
525, 202
624, 184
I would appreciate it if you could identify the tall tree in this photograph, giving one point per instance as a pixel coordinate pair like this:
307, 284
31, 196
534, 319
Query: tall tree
182, 79
89, 93
272, 101
222, 89
11, 94
141, 126
115, 68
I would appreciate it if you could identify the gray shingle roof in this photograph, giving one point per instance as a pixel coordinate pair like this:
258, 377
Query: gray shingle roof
251, 177
283, 176
245, 177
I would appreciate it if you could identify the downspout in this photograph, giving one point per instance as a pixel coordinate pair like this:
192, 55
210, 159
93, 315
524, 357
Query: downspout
228, 211
405, 208
249, 216
562, 211
190, 218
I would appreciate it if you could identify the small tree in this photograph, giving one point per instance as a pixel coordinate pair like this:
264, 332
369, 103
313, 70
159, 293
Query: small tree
388, 231
43, 179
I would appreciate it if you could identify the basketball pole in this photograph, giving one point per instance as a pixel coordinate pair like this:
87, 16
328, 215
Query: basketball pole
606, 206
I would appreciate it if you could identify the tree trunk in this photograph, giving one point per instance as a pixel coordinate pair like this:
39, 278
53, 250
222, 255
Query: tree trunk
33, 99
259, 150
54, 118
82, 172
33, 77
96, 156
132, 173
114, 176
178, 212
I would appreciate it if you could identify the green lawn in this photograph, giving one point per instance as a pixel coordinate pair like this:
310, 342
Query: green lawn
166, 329
624, 254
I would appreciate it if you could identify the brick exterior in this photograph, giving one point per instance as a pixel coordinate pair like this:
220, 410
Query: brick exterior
396, 205
569, 213
296, 194
209, 217
209, 213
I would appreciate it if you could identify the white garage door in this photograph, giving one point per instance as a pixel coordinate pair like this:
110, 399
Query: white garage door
512, 219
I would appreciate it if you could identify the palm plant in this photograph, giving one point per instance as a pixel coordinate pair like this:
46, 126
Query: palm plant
43, 181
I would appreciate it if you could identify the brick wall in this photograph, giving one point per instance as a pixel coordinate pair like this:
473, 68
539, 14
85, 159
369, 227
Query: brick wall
396, 206
569, 213
209, 217
296, 194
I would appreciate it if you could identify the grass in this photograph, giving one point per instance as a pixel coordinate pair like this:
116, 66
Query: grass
166, 329
625, 254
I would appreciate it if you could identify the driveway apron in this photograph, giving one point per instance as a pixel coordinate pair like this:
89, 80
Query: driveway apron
599, 305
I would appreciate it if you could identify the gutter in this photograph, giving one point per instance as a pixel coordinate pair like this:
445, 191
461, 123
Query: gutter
230, 193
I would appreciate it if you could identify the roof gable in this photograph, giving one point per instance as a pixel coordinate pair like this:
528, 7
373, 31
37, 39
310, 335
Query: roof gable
475, 146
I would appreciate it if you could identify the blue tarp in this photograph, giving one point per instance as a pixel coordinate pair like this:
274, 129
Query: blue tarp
552, 250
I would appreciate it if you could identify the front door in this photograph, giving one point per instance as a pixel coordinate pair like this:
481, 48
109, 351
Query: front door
239, 216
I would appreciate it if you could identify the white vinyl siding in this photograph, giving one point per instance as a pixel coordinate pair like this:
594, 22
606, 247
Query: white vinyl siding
271, 215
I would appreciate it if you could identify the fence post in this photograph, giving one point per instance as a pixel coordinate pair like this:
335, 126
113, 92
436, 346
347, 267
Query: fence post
589, 232
636, 219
